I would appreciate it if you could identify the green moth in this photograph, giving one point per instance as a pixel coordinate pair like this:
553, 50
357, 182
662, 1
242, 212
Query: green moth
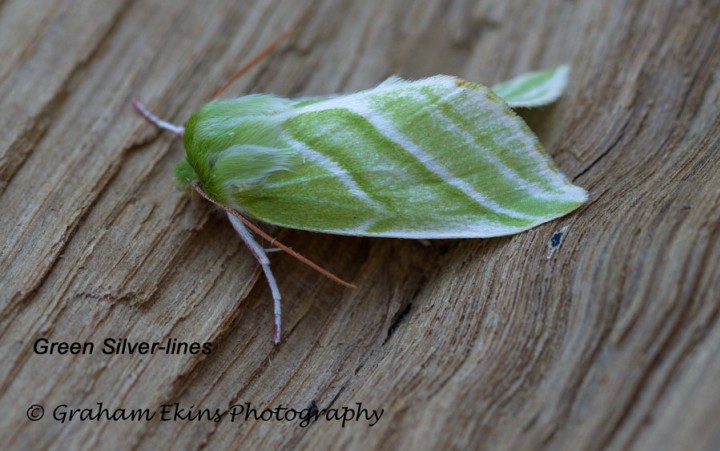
438, 157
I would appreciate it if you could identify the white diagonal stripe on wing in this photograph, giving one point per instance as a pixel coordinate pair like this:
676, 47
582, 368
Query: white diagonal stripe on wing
334, 168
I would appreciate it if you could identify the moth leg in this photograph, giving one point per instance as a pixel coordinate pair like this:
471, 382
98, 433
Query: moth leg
262, 258
178, 130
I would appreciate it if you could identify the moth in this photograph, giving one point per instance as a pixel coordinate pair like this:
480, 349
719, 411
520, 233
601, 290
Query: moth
439, 157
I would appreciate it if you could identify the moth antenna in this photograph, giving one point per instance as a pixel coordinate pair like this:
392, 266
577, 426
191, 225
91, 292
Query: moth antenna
178, 130
259, 57
264, 261
273, 241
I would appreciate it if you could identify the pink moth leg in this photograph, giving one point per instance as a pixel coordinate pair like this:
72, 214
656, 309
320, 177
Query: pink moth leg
262, 258
177, 130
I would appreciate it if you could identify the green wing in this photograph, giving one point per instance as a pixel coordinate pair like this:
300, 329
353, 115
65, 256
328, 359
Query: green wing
433, 158
534, 88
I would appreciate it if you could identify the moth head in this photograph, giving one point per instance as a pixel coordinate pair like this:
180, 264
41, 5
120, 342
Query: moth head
234, 144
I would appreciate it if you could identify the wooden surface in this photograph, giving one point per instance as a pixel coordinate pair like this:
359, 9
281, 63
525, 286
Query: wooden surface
611, 343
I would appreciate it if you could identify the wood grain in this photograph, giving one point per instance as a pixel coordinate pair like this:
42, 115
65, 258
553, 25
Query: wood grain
611, 343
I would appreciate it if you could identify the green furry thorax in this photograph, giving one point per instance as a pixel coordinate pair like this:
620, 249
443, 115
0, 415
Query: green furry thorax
232, 144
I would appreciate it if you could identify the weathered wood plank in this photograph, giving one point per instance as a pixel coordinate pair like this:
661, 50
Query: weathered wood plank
611, 342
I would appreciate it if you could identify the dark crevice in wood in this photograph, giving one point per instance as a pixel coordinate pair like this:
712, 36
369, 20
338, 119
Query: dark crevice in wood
397, 319
612, 145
